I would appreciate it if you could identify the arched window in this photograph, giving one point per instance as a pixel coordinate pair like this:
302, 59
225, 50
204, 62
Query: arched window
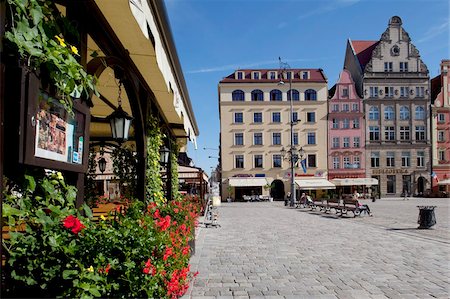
404, 113
238, 95
420, 112
389, 112
310, 95
257, 95
295, 95
374, 113
275, 95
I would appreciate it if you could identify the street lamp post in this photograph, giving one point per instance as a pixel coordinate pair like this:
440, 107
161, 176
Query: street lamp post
293, 155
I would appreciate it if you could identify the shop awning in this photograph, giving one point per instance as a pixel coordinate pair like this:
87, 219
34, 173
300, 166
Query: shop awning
444, 182
248, 182
355, 182
314, 183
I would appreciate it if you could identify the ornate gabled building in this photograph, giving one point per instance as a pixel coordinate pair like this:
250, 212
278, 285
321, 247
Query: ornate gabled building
440, 132
394, 82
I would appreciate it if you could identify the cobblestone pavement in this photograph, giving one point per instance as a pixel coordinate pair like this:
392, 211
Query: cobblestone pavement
266, 250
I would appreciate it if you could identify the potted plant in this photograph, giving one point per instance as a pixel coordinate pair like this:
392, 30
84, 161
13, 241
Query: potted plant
230, 193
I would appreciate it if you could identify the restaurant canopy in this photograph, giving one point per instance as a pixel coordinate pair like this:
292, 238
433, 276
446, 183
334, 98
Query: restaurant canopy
355, 182
313, 183
249, 181
444, 182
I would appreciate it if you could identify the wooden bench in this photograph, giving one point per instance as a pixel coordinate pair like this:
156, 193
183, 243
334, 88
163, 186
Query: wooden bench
108, 210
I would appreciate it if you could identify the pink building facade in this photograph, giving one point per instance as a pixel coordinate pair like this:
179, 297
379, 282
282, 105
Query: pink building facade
346, 131
440, 93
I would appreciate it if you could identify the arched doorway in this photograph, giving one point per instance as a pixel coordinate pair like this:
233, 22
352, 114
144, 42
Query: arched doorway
420, 185
277, 190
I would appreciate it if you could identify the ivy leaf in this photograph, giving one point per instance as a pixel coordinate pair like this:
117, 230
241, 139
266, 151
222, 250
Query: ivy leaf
31, 183
67, 274
87, 211
36, 14
95, 292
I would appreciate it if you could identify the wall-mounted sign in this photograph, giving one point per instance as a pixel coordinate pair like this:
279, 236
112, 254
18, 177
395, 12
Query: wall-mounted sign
389, 171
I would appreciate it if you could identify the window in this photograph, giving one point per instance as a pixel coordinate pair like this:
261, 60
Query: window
345, 107
441, 136
336, 163
240, 75
289, 75
237, 95
294, 116
389, 133
256, 75
404, 133
335, 108
295, 139
441, 117
275, 95
374, 133
388, 67
345, 92
276, 138
257, 117
356, 162
336, 142
389, 113
238, 138
420, 133
311, 117
403, 66
420, 112
373, 91
420, 159
258, 138
310, 95
404, 113
390, 184
239, 161
276, 117
356, 123
312, 160
420, 91
355, 107
390, 159
441, 155
335, 123
345, 123
238, 117
257, 95
356, 141
406, 159
304, 75
346, 162
375, 159
258, 161
276, 161
346, 142
273, 75
389, 91
374, 113
404, 92
311, 138
295, 95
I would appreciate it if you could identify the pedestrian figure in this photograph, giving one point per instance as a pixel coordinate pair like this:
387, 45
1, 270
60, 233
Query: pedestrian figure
288, 198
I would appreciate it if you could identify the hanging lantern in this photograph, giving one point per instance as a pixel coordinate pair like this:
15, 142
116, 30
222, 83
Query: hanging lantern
102, 164
120, 121
164, 155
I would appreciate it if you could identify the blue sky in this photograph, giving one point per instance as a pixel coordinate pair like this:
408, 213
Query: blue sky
215, 37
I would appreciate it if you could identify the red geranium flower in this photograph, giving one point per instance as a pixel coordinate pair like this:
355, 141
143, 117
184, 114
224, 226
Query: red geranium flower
73, 223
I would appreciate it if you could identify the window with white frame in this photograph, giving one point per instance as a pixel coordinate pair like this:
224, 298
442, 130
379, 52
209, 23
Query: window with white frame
276, 138
275, 95
346, 162
305, 75
276, 117
420, 159
356, 162
441, 155
404, 113
389, 113
441, 136
403, 66
294, 116
389, 91
258, 138
312, 160
345, 92
420, 92
238, 117
404, 91
310, 95
238, 138
276, 161
336, 142
256, 75
257, 95
356, 141
336, 163
335, 123
257, 117
356, 123
258, 160
441, 117
295, 139
373, 90
374, 113
420, 112
346, 142
311, 138
345, 123
273, 75
238, 96
240, 75
374, 133
295, 95
389, 133
239, 161
406, 159
404, 133
388, 67
390, 159
311, 117
355, 107
375, 159
345, 107
335, 108
420, 133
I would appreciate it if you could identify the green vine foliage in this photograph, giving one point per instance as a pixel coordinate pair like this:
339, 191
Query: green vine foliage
36, 33
90, 193
154, 183
174, 171
124, 168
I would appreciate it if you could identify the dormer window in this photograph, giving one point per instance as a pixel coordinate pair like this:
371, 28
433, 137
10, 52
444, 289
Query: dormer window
239, 75
256, 75
305, 75
272, 75
345, 92
288, 75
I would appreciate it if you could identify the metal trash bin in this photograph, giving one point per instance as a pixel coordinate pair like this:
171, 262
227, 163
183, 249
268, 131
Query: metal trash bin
427, 218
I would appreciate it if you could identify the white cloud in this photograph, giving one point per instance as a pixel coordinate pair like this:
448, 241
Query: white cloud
435, 31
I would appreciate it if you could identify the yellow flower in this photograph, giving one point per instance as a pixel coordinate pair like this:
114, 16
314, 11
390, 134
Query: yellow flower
90, 269
74, 50
103, 217
61, 41
59, 176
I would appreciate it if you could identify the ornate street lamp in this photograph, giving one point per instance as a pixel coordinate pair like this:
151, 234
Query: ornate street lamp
120, 121
164, 155
102, 164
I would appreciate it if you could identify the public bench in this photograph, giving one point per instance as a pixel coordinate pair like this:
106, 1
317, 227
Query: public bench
341, 206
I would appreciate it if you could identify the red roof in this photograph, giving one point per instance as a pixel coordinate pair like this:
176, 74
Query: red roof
363, 50
315, 75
